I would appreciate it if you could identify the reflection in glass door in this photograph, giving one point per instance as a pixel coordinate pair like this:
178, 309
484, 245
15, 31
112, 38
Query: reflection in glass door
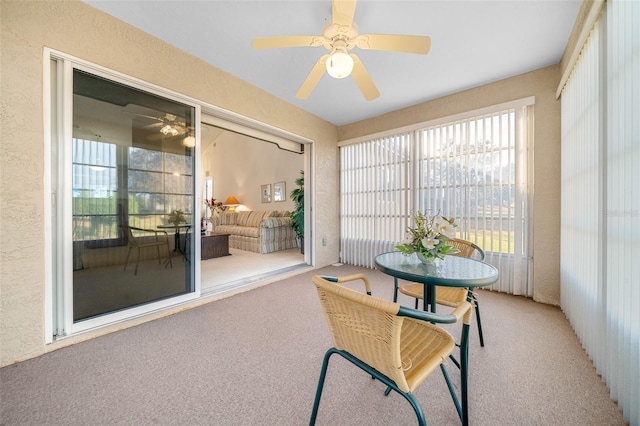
132, 201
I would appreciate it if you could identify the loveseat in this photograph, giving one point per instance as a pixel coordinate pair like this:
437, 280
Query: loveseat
260, 231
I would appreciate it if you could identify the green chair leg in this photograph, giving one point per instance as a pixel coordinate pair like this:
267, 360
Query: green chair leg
374, 373
395, 289
323, 373
464, 373
475, 301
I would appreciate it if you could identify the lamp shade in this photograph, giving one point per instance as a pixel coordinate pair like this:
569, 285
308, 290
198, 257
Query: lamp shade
231, 201
339, 64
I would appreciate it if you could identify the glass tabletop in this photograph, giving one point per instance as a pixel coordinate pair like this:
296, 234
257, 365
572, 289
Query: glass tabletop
452, 271
176, 227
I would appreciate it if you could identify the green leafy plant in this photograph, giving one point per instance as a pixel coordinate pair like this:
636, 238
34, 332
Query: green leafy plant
176, 217
429, 236
297, 215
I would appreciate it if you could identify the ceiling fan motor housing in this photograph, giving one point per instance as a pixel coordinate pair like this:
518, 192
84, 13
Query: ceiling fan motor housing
336, 33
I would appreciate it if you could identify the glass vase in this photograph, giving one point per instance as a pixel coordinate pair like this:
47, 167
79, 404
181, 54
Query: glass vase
424, 259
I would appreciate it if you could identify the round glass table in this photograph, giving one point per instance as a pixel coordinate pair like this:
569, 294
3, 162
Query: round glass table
452, 271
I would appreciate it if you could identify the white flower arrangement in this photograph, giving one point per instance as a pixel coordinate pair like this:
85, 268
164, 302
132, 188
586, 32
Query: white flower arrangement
429, 236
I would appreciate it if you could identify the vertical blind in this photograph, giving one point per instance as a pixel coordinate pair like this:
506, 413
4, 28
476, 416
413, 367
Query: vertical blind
600, 272
374, 191
473, 169
622, 367
581, 194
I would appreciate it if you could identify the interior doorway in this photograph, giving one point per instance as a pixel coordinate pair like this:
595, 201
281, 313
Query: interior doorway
239, 165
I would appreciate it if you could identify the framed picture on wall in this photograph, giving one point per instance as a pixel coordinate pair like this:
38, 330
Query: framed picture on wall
279, 191
265, 193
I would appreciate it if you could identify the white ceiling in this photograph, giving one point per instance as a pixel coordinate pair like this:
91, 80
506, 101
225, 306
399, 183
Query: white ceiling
472, 43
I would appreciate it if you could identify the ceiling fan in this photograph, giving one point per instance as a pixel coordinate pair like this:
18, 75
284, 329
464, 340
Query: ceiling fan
339, 36
169, 125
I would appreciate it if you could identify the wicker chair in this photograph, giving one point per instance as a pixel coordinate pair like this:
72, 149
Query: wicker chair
451, 296
397, 345
157, 240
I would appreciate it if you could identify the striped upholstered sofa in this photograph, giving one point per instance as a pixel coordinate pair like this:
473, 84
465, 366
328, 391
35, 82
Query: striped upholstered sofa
261, 231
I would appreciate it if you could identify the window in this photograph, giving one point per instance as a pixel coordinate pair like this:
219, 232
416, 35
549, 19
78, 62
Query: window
467, 170
472, 168
95, 190
157, 183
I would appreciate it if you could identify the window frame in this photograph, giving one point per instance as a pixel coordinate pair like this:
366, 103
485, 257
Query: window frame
376, 220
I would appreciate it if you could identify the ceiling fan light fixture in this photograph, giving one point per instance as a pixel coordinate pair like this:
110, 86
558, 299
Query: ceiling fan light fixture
189, 141
169, 130
339, 64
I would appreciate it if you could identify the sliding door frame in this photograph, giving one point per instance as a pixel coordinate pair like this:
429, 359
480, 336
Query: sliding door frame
58, 126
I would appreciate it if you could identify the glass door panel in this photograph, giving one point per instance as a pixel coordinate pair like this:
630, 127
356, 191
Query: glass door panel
132, 197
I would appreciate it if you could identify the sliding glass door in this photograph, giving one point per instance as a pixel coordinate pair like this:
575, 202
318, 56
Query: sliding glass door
126, 177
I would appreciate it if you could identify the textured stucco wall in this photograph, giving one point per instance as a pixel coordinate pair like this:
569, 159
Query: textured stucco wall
72, 27
546, 206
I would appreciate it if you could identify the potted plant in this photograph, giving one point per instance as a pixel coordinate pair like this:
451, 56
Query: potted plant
176, 217
297, 216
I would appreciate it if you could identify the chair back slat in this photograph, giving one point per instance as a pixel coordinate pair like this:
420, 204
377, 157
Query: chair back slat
466, 249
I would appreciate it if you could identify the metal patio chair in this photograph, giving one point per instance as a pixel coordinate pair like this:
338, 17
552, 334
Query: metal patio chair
153, 238
396, 345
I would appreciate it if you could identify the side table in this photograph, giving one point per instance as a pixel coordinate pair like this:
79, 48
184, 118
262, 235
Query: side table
214, 245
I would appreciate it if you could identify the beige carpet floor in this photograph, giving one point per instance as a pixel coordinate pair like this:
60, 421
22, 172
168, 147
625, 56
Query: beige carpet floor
254, 359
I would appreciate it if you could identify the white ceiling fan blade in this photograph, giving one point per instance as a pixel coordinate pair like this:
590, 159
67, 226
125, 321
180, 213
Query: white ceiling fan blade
286, 41
342, 12
313, 78
143, 115
395, 43
363, 79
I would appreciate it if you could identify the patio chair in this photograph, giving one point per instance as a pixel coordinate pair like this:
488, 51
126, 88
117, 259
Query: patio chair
396, 345
157, 240
451, 296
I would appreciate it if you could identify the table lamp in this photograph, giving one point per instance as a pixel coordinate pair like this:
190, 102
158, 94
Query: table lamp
232, 202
